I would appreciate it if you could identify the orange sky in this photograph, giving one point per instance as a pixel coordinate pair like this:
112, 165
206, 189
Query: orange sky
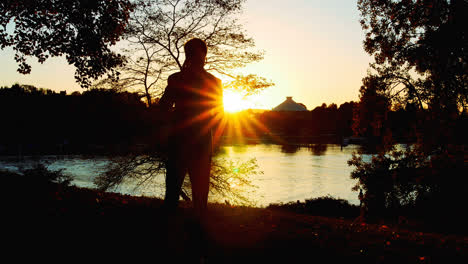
313, 53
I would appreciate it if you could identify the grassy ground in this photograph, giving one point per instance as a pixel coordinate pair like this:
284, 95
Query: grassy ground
50, 223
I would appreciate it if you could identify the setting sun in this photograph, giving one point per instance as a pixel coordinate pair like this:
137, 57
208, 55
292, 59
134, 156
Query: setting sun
234, 102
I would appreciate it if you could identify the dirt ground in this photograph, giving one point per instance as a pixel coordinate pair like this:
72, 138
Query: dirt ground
83, 225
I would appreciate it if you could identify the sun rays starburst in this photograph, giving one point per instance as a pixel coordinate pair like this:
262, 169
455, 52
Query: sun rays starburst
227, 118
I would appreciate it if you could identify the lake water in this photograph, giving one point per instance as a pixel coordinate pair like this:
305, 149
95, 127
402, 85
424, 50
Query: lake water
289, 173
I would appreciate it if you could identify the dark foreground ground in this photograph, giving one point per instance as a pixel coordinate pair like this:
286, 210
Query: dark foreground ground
77, 225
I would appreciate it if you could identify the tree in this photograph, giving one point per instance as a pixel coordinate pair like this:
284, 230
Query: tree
81, 30
420, 63
345, 118
229, 180
157, 31
429, 37
371, 113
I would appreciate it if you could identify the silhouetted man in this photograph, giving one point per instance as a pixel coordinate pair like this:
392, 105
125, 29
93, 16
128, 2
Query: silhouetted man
196, 96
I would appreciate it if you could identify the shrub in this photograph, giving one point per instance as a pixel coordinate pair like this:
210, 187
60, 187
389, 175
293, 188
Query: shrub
40, 174
323, 206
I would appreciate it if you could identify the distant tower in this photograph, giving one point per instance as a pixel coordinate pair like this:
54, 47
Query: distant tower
290, 105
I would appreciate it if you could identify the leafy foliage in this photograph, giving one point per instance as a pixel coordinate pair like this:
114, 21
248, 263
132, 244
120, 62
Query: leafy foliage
389, 180
39, 175
372, 110
323, 206
429, 36
229, 178
421, 65
81, 30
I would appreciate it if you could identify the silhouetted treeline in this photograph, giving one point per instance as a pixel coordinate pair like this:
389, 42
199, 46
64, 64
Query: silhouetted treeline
332, 123
40, 121
323, 120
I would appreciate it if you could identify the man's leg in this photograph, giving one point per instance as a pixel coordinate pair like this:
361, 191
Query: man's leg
175, 174
199, 172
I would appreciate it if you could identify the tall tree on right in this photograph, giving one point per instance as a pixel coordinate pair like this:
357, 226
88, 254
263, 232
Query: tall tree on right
420, 49
426, 37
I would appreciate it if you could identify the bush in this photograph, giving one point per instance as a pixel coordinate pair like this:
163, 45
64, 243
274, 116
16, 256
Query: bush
323, 206
40, 174
413, 184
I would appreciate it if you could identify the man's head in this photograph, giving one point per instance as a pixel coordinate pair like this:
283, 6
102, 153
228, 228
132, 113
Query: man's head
195, 52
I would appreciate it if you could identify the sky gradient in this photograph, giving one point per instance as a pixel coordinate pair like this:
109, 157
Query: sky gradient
313, 52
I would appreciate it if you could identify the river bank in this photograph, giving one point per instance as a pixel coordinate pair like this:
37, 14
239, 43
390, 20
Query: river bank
52, 221
285, 173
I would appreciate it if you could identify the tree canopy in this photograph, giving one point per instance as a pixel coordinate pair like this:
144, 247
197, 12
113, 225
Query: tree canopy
429, 37
158, 30
82, 30
421, 64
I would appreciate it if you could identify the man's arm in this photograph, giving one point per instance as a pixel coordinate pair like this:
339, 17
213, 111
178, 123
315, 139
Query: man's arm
168, 98
218, 107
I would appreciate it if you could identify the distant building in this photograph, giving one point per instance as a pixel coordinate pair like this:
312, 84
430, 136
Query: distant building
290, 105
